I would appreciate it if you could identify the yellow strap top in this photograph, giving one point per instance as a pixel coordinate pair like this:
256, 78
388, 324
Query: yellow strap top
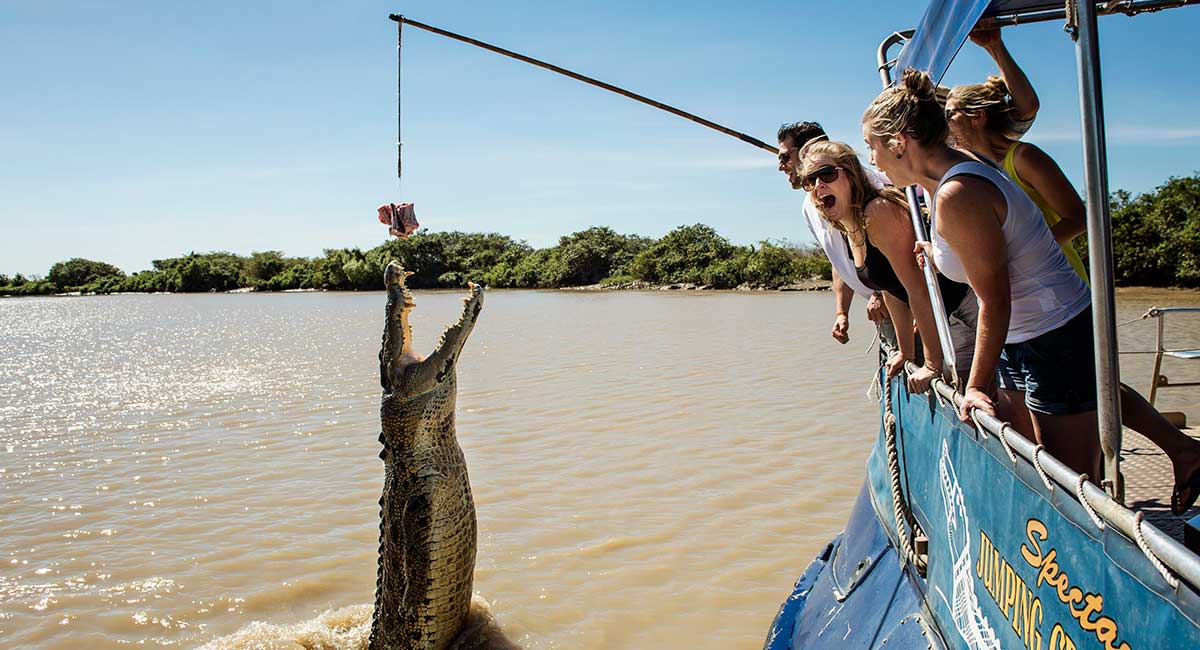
1047, 212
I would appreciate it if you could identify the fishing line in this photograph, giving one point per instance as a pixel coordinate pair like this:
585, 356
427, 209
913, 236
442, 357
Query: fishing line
400, 142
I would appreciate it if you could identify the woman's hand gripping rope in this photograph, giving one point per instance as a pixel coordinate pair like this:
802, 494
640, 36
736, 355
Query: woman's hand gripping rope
919, 380
975, 398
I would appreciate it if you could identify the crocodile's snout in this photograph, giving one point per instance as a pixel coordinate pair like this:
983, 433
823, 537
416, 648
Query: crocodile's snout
395, 275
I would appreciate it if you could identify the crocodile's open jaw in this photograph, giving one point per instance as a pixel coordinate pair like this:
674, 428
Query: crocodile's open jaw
398, 354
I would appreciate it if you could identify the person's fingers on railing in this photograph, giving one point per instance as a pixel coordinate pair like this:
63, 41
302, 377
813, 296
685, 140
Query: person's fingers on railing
977, 399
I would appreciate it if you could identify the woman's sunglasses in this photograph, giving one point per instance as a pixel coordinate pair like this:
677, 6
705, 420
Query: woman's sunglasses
826, 174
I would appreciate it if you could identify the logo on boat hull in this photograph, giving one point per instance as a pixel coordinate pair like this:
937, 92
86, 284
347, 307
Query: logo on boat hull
972, 625
1019, 601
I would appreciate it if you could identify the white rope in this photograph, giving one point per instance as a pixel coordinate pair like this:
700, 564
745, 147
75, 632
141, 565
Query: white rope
1037, 464
875, 390
1134, 320
1142, 544
942, 400
1072, 25
871, 348
1087, 507
899, 506
978, 427
1004, 441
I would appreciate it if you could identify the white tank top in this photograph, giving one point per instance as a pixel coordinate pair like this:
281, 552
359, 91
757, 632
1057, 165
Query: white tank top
1046, 291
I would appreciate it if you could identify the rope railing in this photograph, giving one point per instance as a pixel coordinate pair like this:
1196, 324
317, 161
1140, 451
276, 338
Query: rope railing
1160, 549
905, 525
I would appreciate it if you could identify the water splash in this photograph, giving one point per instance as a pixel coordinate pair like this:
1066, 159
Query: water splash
349, 628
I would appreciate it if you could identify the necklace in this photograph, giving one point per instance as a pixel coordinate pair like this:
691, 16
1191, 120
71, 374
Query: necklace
856, 237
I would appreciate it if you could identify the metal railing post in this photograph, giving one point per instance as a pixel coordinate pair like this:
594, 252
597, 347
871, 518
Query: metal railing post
918, 223
1099, 229
1158, 356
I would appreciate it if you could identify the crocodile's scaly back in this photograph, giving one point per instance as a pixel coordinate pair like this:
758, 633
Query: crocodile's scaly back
427, 517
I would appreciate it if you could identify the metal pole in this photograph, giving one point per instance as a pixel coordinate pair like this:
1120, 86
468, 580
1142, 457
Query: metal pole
1158, 356
918, 224
1099, 229
1127, 7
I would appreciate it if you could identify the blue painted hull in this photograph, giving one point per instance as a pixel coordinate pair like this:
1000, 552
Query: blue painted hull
856, 594
1011, 564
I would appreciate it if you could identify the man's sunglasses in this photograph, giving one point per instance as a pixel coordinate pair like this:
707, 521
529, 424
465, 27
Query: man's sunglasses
826, 174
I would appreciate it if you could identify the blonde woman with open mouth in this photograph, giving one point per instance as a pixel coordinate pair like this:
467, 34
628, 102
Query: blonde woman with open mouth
875, 227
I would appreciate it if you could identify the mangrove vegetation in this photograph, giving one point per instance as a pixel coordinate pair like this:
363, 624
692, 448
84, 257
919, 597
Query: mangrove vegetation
1156, 239
694, 255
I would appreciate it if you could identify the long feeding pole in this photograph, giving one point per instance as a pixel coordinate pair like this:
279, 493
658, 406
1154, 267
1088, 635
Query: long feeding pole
1099, 230
588, 80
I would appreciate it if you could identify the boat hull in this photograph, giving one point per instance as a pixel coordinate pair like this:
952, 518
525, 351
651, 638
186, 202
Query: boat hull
857, 593
1011, 562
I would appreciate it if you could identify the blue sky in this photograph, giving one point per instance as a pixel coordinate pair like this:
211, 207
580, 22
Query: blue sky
138, 130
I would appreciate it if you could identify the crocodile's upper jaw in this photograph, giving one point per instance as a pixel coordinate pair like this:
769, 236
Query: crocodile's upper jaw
394, 280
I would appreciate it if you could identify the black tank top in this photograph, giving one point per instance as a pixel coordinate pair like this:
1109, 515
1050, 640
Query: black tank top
877, 273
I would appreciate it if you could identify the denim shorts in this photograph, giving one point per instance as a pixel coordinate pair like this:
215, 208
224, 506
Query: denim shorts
1056, 370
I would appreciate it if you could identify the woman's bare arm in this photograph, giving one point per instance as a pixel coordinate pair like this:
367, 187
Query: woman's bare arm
969, 219
1024, 97
891, 232
902, 319
1040, 172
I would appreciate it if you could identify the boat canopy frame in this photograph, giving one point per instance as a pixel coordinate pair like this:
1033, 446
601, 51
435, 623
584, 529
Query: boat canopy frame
931, 47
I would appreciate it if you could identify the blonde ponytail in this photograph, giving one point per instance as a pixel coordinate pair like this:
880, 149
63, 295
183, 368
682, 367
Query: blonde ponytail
911, 107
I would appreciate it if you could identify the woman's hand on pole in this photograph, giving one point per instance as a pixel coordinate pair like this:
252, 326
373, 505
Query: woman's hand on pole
923, 251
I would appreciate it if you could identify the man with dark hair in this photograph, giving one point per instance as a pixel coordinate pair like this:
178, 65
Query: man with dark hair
792, 138
801, 132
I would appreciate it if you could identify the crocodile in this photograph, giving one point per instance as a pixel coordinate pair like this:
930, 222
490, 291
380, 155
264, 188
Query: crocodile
427, 529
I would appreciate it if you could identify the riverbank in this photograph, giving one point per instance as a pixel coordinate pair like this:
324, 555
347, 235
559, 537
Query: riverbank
1165, 295
805, 285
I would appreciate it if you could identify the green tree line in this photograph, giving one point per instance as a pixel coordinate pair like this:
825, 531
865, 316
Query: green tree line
689, 254
1156, 242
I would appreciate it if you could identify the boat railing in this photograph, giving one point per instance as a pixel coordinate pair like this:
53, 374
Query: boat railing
1172, 559
1159, 380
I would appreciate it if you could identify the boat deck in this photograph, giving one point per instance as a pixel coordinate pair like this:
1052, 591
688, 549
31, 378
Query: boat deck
1149, 480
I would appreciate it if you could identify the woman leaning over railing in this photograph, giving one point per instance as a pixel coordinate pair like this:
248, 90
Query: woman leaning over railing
1034, 311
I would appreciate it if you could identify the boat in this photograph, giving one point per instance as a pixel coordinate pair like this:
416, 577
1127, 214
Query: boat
971, 536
